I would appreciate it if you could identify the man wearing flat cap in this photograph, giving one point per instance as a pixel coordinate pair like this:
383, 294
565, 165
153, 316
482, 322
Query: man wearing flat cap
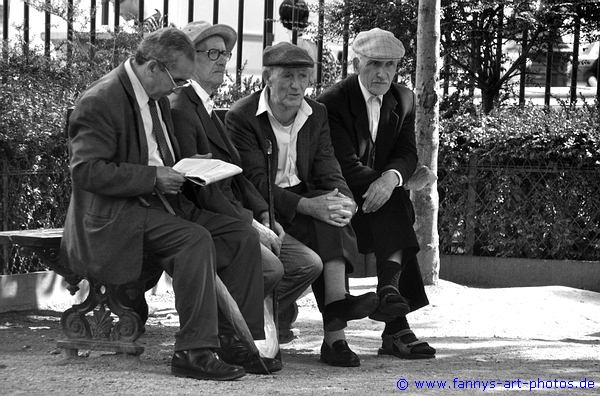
312, 201
288, 265
372, 121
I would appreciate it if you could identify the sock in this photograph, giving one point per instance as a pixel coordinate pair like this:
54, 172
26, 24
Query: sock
388, 277
396, 325
329, 337
334, 278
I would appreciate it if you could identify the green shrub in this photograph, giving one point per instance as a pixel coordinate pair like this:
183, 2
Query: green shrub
521, 183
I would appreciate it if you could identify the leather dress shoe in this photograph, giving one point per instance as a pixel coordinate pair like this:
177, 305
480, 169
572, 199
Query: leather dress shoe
337, 313
203, 364
339, 354
233, 351
391, 306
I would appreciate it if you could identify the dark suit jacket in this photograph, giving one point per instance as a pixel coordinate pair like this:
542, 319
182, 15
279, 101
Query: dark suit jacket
103, 232
199, 133
395, 146
316, 164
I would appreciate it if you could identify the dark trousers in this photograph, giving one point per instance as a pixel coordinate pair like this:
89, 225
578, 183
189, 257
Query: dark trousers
388, 230
228, 246
329, 242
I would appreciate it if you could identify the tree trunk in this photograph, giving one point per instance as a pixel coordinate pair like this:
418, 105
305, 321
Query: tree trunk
426, 201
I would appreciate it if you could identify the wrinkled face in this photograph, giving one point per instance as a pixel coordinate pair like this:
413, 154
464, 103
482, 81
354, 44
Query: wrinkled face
287, 86
166, 79
376, 75
210, 73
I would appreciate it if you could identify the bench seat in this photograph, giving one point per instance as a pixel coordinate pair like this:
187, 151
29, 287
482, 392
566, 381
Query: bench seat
90, 325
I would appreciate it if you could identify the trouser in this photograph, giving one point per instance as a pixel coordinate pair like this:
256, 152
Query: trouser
234, 253
292, 272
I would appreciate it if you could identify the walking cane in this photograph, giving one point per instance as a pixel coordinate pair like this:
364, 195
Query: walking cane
269, 152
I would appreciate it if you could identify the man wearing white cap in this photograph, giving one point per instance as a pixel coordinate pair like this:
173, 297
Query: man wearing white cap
372, 123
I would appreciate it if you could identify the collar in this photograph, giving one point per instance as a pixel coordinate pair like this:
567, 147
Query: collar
138, 89
366, 93
204, 96
263, 105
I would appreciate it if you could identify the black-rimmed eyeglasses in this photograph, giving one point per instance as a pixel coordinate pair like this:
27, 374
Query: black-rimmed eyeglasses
214, 54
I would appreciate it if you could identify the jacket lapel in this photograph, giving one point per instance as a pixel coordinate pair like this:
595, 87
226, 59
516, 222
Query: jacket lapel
386, 131
141, 133
358, 107
303, 150
268, 134
212, 133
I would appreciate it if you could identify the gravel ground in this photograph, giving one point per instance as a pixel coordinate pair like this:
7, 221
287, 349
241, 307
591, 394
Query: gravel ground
511, 340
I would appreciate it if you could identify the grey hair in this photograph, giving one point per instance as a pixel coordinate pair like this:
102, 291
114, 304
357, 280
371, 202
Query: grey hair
165, 45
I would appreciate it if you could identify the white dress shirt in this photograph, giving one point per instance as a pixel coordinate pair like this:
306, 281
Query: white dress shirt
287, 138
208, 103
154, 158
374, 103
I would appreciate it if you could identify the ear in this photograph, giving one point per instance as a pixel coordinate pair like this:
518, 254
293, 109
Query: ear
355, 64
266, 77
152, 65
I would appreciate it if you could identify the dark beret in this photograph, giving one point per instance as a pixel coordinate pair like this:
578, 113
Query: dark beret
286, 55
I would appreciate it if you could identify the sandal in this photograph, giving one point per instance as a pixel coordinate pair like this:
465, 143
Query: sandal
405, 345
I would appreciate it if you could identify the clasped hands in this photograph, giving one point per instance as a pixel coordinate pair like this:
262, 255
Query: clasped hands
333, 208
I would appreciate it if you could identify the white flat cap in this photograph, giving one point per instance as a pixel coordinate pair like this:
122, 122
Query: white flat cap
378, 44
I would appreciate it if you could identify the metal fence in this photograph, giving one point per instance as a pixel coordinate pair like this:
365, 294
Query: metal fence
30, 200
505, 210
485, 210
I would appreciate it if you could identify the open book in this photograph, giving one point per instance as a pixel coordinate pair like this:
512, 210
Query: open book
204, 171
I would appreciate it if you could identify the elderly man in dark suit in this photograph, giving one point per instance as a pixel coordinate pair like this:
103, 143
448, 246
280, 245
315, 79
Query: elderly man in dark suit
122, 150
312, 200
199, 131
372, 121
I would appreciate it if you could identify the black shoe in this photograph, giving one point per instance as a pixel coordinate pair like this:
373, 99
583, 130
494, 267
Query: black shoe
337, 313
339, 354
203, 364
285, 320
286, 336
391, 306
233, 351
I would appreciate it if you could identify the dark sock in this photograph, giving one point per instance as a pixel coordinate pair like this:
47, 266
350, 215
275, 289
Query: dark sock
396, 325
388, 277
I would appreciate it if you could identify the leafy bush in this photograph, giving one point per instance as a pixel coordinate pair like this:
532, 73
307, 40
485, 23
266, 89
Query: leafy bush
521, 183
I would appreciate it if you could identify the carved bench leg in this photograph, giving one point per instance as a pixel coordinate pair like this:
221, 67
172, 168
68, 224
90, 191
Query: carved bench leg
98, 330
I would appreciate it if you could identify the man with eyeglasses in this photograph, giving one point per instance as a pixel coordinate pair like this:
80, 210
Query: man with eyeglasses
127, 220
288, 265
372, 121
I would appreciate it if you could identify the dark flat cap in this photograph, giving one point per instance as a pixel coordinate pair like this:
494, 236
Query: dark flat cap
286, 55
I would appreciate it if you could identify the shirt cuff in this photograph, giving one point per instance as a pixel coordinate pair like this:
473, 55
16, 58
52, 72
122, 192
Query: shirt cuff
397, 174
